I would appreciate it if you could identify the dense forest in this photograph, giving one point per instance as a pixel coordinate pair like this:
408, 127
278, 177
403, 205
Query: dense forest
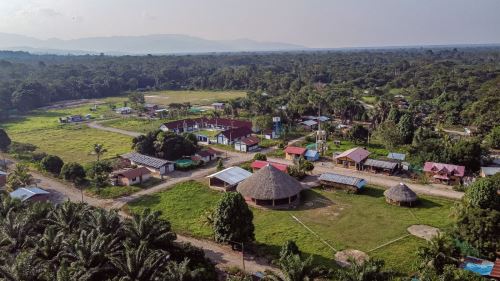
449, 85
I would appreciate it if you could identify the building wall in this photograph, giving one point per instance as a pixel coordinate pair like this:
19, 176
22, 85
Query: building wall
454, 180
346, 162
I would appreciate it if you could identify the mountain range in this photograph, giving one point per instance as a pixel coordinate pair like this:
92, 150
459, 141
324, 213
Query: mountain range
137, 45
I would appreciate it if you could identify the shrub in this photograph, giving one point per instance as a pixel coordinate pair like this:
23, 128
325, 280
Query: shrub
260, 156
52, 164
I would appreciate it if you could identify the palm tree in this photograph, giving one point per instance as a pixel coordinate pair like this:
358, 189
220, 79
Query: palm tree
15, 231
67, 216
98, 150
370, 270
438, 252
19, 177
140, 264
7, 204
103, 221
92, 251
294, 268
181, 272
149, 228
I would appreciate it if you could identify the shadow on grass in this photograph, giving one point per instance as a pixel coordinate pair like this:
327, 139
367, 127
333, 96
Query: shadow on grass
311, 199
271, 253
145, 201
423, 203
372, 192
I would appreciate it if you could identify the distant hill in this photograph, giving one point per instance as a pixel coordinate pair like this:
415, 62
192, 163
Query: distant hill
147, 44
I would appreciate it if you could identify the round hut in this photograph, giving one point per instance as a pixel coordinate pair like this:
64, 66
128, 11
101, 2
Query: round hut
400, 195
270, 187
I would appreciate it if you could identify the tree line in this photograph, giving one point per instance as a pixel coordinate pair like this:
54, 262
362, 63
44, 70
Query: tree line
452, 86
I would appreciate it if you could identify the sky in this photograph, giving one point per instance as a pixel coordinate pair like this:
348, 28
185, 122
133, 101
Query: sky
310, 23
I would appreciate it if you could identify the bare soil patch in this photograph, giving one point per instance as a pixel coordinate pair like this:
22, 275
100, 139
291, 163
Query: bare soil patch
423, 231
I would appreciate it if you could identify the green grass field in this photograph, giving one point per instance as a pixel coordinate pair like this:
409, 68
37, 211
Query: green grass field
72, 142
369, 99
193, 97
359, 221
134, 124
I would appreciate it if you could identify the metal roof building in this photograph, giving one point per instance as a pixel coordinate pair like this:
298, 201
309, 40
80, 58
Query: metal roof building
156, 165
341, 181
380, 164
28, 193
396, 156
228, 178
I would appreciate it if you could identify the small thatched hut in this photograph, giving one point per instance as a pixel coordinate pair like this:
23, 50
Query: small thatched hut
270, 187
400, 195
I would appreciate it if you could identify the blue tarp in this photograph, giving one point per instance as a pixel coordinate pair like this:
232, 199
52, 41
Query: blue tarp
482, 269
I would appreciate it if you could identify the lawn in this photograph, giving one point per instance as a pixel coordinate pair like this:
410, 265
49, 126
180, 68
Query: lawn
134, 124
208, 133
111, 191
72, 142
377, 150
360, 221
369, 99
193, 97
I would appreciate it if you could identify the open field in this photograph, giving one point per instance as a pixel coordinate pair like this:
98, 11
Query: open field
193, 97
72, 142
134, 124
363, 221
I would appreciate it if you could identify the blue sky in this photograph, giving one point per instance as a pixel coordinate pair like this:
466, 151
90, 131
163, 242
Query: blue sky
313, 23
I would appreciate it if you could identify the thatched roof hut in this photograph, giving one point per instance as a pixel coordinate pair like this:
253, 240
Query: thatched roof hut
400, 195
270, 187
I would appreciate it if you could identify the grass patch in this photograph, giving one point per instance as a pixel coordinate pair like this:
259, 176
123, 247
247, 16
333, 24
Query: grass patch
134, 124
183, 206
369, 99
208, 133
377, 150
359, 221
193, 97
110, 192
72, 142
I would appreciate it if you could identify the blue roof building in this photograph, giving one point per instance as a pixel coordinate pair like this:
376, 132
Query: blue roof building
311, 155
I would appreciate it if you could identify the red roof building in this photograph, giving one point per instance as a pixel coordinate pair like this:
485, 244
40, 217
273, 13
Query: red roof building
444, 173
294, 152
130, 176
258, 164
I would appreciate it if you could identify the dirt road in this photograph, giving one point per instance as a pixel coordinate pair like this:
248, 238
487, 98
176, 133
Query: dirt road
96, 125
383, 180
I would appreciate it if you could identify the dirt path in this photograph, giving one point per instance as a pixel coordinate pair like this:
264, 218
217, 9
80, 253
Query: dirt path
383, 180
96, 125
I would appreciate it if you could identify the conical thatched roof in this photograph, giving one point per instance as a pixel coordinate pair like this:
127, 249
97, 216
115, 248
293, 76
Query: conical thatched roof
269, 183
401, 193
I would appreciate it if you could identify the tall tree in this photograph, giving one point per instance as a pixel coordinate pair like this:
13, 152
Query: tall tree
98, 150
233, 221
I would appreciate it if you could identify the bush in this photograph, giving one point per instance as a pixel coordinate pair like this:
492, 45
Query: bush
38, 156
260, 156
52, 164
73, 172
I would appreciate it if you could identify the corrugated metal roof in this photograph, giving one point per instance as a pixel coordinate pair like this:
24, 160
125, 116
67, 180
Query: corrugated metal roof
295, 150
309, 123
380, 164
145, 160
487, 171
397, 156
357, 154
347, 180
25, 193
231, 175
311, 153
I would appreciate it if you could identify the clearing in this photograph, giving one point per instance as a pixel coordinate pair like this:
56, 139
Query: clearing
193, 97
346, 221
71, 142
